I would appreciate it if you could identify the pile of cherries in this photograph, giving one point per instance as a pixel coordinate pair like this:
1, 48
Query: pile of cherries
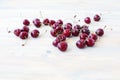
63, 31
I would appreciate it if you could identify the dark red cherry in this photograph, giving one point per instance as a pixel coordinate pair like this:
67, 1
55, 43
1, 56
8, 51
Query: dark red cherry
37, 22
85, 30
17, 32
90, 42
25, 28
51, 22
93, 36
80, 43
46, 21
68, 26
26, 22
60, 22
75, 32
96, 17
53, 32
35, 33
61, 37
77, 27
99, 32
83, 36
87, 20
55, 42
67, 33
62, 46
23, 35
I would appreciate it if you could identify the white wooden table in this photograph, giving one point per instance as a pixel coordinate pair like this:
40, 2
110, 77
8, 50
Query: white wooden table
39, 60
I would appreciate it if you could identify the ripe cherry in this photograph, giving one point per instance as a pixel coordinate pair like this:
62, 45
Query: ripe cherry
67, 33
37, 22
96, 17
46, 21
68, 26
51, 22
25, 28
23, 35
80, 43
26, 22
35, 33
90, 42
87, 20
62, 46
99, 32
75, 32
17, 32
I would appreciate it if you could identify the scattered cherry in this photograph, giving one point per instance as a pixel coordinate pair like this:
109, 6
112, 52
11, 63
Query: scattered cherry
96, 17
75, 32
87, 20
62, 46
67, 33
80, 43
17, 32
35, 33
37, 22
26, 22
23, 35
99, 32
90, 42
68, 26
25, 28
46, 21
51, 22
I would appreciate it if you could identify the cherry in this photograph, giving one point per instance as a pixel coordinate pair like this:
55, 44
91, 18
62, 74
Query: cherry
25, 28
17, 32
62, 46
99, 32
80, 43
61, 37
85, 30
77, 27
96, 17
53, 32
37, 22
75, 32
55, 42
93, 36
23, 35
67, 33
87, 20
26, 22
68, 26
46, 21
83, 36
60, 22
55, 25
90, 42
51, 22
35, 33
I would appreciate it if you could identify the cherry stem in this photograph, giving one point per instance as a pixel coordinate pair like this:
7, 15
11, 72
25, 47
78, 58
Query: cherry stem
41, 15
106, 28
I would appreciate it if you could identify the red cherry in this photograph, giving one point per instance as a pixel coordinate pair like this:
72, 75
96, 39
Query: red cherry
35, 33
87, 20
62, 46
26, 22
23, 35
37, 22
81, 43
17, 32
90, 42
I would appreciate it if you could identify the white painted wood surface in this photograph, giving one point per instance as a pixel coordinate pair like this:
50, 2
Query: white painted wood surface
39, 60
